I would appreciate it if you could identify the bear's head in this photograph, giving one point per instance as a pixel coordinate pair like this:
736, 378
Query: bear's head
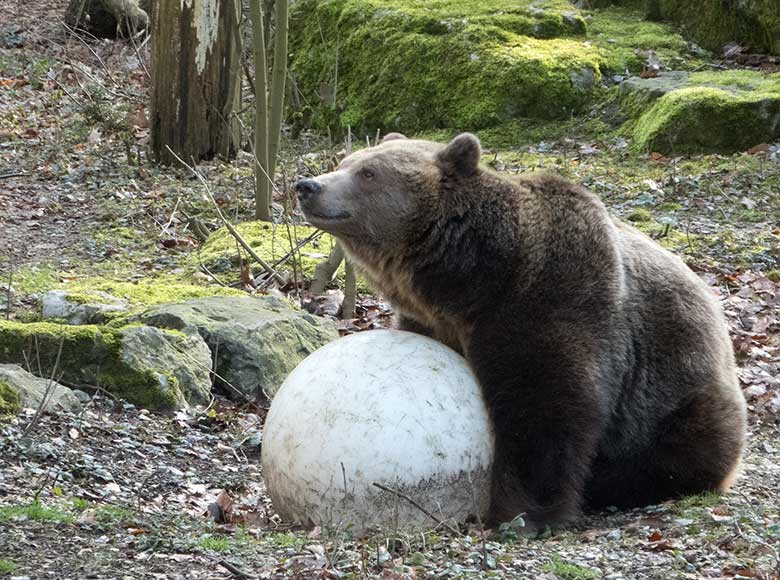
378, 196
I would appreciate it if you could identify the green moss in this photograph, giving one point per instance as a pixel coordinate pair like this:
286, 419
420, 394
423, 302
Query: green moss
35, 512
742, 80
111, 513
640, 215
624, 37
90, 355
79, 504
707, 119
692, 504
214, 543
219, 253
287, 540
567, 571
412, 65
713, 23
9, 399
774, 275
7, 567
34, 279
699, 500
146, 292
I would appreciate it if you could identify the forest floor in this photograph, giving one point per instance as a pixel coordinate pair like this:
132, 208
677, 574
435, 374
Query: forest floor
118, 492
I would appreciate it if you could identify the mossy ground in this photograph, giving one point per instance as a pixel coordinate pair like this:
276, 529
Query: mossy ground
569, 571
696, 206
7, 566
625, 38
220, 253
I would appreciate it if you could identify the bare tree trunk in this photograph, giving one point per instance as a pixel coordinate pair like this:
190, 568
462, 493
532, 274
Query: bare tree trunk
262, 175
269, 101
350, 290
279, 75
196, 52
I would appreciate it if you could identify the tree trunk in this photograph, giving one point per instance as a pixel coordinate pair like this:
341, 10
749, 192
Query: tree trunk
276, 105
263, 179
196, 60
350, 290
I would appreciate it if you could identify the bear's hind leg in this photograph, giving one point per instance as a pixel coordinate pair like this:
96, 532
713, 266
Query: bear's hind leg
698, 449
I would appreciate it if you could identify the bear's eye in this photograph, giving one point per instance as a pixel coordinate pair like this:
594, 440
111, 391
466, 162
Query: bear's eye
367, 173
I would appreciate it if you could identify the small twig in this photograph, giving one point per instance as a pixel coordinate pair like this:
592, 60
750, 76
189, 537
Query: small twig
210, 273
95, 54
51, 385
37, 495
137, 50
8, 293
173, 215
418, 506
266, 266
10, 175
236, 572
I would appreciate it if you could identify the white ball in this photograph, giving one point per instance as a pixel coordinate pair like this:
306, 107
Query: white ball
383, 406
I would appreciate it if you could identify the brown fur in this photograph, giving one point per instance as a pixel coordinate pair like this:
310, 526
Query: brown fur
604, 361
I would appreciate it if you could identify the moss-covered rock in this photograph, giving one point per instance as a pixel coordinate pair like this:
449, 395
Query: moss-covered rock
257, 341
625, 38
146, 291
271, 242
723, 111
713, 23
418, 66
9, 399
173, 373
95, 307
412, 65
20, 388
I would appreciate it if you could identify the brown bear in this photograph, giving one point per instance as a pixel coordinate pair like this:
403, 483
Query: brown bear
604, 361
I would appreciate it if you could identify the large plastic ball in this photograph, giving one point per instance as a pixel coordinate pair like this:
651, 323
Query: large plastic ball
387, 407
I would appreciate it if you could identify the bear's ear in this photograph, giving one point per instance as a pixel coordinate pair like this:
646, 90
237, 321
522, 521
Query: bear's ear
461, 155
393, 137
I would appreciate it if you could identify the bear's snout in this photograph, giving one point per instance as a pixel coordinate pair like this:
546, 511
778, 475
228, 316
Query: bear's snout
307, 188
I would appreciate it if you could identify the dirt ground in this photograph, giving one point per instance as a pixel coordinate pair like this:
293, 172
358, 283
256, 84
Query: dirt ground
120, 493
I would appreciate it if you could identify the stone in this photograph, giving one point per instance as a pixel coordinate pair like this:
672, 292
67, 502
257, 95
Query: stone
651, 89
149, 367
30, 390
256, 341
93, 308
703, 112
180, 363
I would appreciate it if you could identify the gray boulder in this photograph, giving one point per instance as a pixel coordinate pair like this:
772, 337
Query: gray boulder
150, 367
96, 307
648, 90
180, 364
256, 341
721, 111
30, 390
